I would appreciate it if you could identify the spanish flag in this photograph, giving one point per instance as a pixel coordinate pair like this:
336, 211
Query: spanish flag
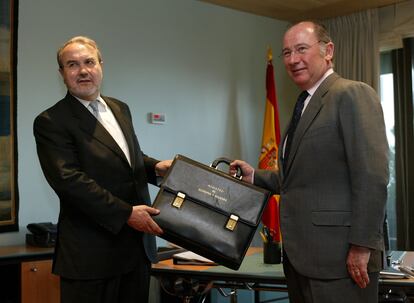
269, 151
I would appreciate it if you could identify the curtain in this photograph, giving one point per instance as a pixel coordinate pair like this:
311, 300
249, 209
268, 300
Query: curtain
403, 67
356, 46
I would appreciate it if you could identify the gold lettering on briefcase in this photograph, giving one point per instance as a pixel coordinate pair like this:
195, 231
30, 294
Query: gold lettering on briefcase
179, 199
204, 191
215, 188
232, 222
213, 191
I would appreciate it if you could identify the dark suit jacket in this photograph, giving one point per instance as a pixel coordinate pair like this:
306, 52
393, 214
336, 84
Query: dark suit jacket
97, 188
334, 190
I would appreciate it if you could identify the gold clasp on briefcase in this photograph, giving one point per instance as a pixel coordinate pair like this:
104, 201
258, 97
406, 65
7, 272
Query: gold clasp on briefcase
179, 199
232, 222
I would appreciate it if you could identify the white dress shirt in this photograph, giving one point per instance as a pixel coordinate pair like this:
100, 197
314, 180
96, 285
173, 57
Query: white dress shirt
107, 119
310, 91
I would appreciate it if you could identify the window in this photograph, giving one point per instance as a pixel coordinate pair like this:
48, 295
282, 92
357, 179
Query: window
387, 101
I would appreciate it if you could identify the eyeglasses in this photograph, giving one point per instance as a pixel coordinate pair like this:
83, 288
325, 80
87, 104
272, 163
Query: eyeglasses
300, 49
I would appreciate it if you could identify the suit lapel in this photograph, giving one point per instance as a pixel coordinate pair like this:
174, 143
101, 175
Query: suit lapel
310, 113
89, 124
126, 127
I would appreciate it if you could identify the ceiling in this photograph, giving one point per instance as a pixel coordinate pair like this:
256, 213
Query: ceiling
296, 10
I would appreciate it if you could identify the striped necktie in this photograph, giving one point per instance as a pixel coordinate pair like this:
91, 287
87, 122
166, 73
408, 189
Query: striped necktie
95, 108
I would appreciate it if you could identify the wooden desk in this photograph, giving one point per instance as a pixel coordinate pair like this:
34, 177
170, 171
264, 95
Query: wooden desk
408, 260
399, 287
27, 275
19, 253
187, 280
252, 270
253, 274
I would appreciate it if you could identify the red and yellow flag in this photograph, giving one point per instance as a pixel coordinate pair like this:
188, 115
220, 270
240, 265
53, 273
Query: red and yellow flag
270, 144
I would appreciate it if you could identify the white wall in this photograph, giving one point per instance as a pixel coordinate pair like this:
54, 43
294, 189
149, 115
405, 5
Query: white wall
202, 65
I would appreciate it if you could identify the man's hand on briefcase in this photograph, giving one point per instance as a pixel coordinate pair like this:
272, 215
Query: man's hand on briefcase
246, 169
162, 167
141, 219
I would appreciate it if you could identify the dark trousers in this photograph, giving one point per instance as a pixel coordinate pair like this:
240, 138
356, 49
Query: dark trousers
303, 289
132, 287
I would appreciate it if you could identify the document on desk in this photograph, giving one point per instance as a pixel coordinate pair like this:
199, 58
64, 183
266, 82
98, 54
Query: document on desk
392, 273
396, 269
407, 270
190, 258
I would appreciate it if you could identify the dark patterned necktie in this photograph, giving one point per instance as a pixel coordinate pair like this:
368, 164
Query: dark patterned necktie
297, 113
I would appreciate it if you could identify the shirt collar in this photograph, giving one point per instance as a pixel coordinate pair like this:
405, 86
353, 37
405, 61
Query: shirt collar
312, 90
86, 102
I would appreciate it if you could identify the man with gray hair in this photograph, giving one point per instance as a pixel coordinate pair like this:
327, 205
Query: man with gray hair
332, 177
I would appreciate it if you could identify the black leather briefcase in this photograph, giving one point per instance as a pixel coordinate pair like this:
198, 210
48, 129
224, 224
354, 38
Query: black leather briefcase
208, 211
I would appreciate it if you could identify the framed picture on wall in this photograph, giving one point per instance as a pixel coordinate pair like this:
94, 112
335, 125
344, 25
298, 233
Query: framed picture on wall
9, 205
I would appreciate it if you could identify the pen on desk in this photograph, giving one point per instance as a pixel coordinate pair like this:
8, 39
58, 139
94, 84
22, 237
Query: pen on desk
263, 237
267, 234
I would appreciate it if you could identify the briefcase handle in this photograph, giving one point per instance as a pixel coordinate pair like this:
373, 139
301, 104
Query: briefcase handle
227, 161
